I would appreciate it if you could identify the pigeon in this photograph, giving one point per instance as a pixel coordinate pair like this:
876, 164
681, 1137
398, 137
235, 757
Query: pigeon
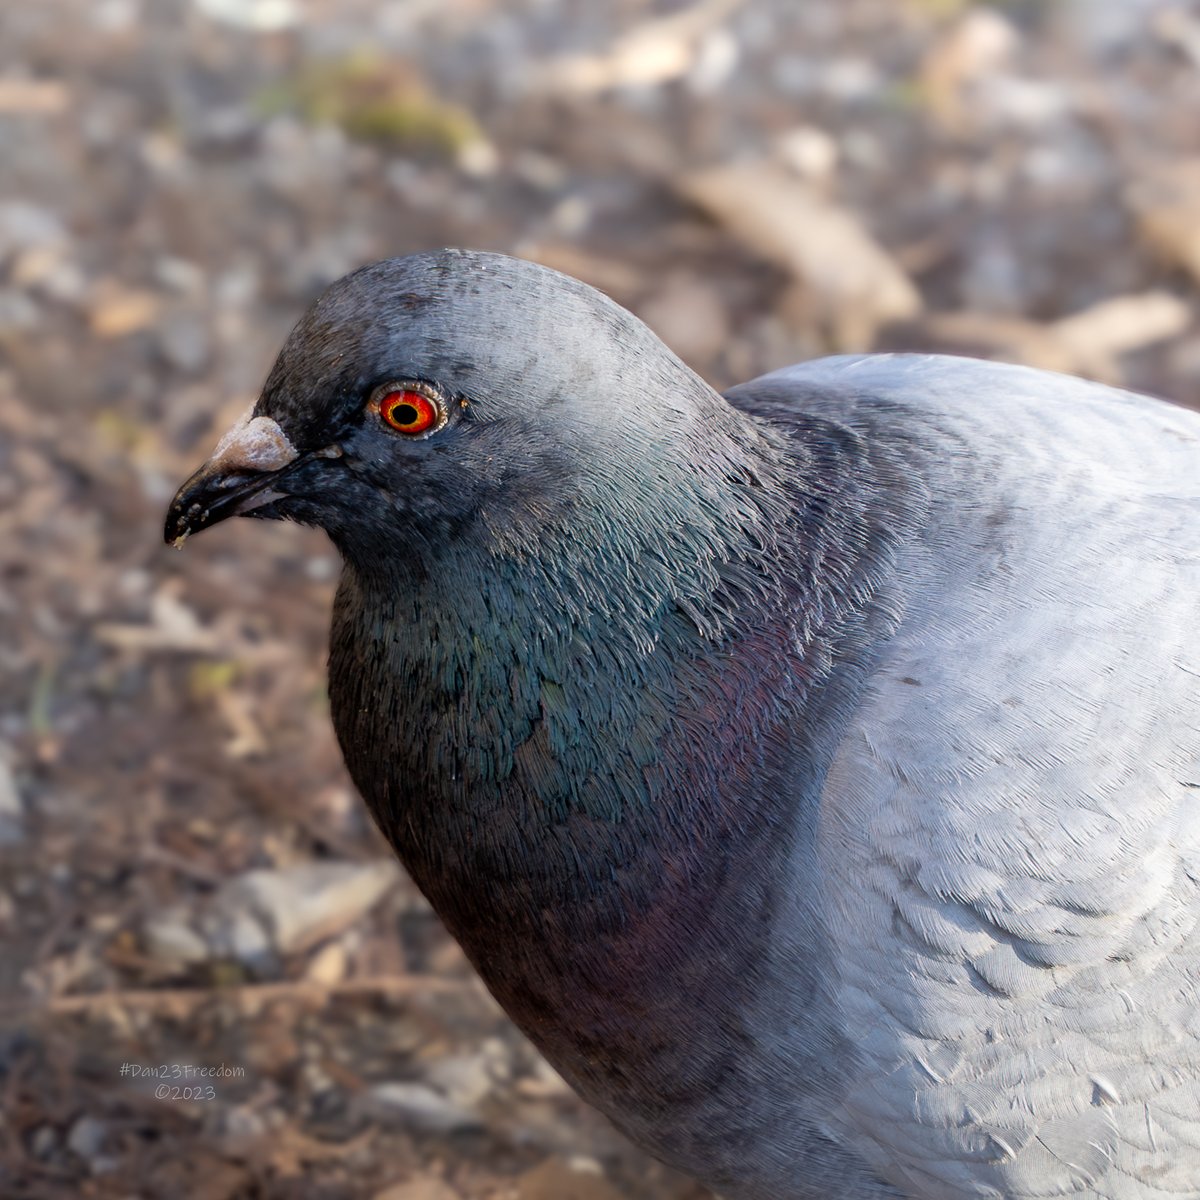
812, 772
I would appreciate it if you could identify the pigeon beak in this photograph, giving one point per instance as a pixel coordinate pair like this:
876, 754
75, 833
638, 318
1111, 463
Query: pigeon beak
236, 479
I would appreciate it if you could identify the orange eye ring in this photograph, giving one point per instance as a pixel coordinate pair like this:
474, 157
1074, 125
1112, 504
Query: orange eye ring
411, 409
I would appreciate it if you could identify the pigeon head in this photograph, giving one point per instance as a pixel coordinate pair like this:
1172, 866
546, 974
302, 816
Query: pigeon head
551, 530
456, 395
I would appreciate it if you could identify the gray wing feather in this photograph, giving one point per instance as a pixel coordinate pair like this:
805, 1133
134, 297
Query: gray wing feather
1010, 831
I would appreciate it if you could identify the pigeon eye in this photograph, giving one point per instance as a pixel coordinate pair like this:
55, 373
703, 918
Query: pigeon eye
412, 409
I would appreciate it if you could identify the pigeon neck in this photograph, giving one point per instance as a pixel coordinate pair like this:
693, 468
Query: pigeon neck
600, 759
610, 695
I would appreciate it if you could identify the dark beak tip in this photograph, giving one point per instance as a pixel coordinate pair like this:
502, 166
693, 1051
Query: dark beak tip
189, 511
176, 527
174, 531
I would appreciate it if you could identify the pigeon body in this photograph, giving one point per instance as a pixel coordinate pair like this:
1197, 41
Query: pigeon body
812, 773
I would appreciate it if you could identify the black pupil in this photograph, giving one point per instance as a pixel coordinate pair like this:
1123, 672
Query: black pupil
405, 414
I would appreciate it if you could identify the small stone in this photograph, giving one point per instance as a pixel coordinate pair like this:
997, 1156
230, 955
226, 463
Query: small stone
65, 284
851, 79
24, 225
243, 937
237, 287
420, 1107
479, 159
10, 799
584, 1164
86, 1137
808, 151
715, 62
18, 314
116, 16
43, 1142
258, 16
168, 938
165, 156
179, 275
243, 1124
34, 267
316, 1079
184, 342
106, 924
571, 216
467, 1079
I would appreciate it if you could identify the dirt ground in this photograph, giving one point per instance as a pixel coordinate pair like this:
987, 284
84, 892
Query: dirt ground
187, 881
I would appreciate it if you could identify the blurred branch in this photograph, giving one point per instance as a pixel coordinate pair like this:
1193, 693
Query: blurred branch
185, 1000
856, 283
1087, 342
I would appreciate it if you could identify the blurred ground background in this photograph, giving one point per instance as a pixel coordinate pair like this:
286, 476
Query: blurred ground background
186, 878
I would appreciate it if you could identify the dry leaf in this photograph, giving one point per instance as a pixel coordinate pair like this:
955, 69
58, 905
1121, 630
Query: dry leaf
1122, 324
424, 1188
853, 279
292, 1151
328, 965
976, 46
1085, 343
237, 710
654, 52
33, 97
117, 311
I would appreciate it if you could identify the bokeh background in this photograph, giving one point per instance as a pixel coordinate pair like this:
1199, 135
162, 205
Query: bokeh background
186, 877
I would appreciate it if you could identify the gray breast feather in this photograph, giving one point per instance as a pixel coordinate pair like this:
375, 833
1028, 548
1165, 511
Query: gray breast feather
1010, 831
